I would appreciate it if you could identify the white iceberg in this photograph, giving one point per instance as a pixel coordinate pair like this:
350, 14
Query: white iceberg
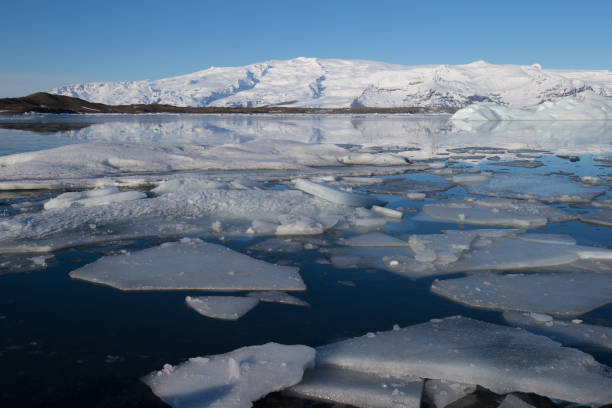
232, 380
586, 109
562, 294
221, 307
189, 264
502, 359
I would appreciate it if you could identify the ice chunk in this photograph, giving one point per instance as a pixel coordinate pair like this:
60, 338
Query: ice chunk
189, 264
358, 389
221, 307
549, 238
544, 188
555, 294
277, 297
572, 333
502, 255
232, 380
471, 179
374, 239
586, 109
603, 217
498, 212
335, 195
443, 392
100, 196
388, 212
407, 186
502, 359
187, 184
300, 226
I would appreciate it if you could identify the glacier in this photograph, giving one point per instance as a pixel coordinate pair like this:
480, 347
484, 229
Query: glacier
336, 83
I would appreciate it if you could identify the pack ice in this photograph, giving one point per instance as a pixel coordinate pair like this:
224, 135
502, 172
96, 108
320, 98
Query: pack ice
569, 332
221, 307
502, 359
189, 264
335, 195
99, 196
232, 380
553, 293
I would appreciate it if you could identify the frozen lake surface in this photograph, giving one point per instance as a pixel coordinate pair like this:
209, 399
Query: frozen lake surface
176, 255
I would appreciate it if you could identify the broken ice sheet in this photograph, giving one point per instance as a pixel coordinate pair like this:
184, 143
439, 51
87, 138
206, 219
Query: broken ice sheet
374, 239
496, 212
98, 196
335, 195
602, 217
406, 186
358, 389
563, 294
543, 188
221, 307
232, 380
502, 359
277, 297
189, 264
569, 332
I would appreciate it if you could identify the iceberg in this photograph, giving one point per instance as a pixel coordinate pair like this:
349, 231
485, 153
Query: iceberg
586, 109
232, 380
335, 195
189, 264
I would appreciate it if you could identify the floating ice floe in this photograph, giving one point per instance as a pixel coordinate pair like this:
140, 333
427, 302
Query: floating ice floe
408, 187
189, 264
543, 188
335, 195
232, 380
602, 217
471, 179
562, 294
277, 297
374, 239
443, 392
99, 196
388, 212
569, 332
587, 109
189, 211
496, 212
99, 159
358, 389
221, 307
502, 359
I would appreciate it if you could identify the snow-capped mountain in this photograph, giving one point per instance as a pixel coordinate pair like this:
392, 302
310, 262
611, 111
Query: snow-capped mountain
334, 83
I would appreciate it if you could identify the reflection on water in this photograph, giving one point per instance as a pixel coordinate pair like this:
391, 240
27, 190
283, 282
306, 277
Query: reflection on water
431, 134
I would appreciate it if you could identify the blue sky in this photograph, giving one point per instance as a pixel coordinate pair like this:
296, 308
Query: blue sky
50, 43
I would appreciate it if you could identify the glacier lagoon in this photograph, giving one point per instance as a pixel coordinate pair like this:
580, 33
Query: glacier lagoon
488, 202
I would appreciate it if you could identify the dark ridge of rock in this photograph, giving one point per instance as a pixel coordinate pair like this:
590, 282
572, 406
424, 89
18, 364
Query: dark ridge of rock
43, 102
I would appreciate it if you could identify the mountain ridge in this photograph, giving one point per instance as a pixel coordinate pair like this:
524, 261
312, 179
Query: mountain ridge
335, 83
